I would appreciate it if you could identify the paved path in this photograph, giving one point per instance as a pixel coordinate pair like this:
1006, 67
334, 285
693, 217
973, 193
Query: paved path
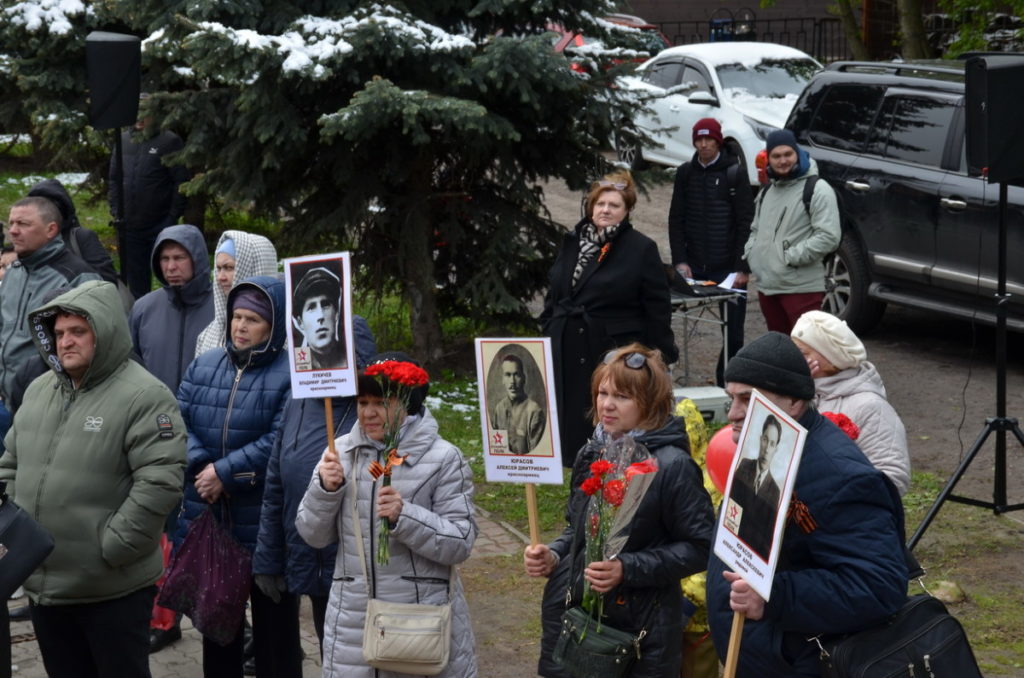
184, 658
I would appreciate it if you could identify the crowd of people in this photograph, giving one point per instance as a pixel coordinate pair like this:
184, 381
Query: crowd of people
129, 427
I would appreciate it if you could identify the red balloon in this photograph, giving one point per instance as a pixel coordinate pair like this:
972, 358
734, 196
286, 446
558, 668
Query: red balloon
721, 450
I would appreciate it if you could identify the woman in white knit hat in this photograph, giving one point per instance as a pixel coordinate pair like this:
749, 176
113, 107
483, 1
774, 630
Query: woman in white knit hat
846, 383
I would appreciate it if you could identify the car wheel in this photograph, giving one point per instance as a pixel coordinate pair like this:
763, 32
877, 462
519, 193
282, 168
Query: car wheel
846, 287
630, 154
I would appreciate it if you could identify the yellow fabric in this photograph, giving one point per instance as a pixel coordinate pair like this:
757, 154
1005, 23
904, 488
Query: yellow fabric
697, 430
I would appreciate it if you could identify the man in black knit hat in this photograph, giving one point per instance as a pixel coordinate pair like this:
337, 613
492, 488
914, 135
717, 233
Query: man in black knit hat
841, 567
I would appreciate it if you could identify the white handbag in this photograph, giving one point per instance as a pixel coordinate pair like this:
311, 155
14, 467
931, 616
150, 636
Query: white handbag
404, 637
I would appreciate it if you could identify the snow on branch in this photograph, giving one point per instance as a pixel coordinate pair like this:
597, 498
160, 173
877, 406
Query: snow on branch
55, 15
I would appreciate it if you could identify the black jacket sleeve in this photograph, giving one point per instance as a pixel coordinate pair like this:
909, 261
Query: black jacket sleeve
677, 218
743, 214
94, 253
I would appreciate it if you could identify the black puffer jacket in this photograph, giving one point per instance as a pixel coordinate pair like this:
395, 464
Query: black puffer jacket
709, 219
669, 539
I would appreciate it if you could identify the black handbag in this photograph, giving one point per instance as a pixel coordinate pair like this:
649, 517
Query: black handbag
24, 544
587, 649
922, 639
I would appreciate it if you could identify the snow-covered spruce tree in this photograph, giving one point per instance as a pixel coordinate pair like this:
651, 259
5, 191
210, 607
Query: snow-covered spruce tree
413, 133
42, 78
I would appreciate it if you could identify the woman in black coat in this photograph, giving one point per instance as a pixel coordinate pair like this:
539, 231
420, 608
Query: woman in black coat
669, 536
608, 288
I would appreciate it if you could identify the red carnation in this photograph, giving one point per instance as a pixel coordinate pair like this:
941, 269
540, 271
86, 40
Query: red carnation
591, 485
614, 492
641, 467
601, 467
844, 423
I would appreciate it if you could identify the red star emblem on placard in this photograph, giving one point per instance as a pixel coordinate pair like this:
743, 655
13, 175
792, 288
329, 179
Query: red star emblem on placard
302, 355
732, 512
497, 438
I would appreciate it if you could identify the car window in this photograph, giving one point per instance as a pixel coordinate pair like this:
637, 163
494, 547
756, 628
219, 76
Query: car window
664, 74
692, 75
913, 129
769, 78
845, 116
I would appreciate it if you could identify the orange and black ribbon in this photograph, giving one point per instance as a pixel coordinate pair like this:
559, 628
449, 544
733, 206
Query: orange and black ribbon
376, 469
801, 515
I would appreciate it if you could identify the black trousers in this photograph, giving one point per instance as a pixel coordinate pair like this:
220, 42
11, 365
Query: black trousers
275, 633
96, 640
138, 261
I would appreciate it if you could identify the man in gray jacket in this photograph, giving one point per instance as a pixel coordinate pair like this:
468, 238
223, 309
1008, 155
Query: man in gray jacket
43, 265
97, 456
791, 235
166, 323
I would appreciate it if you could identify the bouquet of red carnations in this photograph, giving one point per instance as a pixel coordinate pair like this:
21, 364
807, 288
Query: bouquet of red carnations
616, 486
397, 380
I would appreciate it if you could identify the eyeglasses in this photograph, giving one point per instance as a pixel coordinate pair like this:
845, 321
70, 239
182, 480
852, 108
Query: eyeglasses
634, 361
617, 185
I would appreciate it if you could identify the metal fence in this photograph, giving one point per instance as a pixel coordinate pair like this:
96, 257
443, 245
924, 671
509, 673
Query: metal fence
821, 38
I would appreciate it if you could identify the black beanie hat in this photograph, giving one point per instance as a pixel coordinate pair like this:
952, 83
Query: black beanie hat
781, 137
772, 363
370, 385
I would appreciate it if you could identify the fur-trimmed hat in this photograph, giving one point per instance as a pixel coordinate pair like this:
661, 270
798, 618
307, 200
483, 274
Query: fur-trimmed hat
773, 363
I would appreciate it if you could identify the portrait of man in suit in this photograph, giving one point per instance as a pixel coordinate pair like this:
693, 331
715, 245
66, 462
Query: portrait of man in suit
757, 491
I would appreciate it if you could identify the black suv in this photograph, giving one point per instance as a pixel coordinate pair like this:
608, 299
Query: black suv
920, 226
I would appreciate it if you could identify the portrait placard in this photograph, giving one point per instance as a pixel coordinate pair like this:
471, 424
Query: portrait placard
319, 313
756, 501
518, 417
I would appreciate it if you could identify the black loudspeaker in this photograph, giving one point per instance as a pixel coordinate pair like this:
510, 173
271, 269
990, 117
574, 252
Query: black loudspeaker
113, 67
995, 135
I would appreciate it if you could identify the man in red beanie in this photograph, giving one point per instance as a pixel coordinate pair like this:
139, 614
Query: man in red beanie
709, 222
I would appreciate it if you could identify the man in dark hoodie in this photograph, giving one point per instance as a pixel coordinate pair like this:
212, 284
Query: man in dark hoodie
709, 223
166, 323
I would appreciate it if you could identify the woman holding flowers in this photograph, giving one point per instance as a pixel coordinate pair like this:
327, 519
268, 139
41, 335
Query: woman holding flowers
413, 495
630, 583
608, 288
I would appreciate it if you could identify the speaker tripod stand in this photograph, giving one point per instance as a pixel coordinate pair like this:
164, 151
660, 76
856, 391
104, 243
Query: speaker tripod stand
999, 424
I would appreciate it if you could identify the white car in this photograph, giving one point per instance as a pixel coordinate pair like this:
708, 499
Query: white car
749, 87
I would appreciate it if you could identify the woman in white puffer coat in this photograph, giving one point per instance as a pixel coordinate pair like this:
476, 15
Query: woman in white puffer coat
846, 383
430, 506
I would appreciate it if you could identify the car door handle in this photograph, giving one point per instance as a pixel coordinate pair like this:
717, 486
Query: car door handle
953, 204
858, 186
674, 109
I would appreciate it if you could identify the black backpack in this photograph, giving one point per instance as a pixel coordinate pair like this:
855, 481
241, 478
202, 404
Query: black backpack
808, 193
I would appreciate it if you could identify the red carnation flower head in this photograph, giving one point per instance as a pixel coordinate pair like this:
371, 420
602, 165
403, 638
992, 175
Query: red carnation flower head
591, 486
844, 423
614, 492
646, 466
601, 467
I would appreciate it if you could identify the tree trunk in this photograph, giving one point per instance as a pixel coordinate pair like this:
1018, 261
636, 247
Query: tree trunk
915, 41
851, 30
418, 283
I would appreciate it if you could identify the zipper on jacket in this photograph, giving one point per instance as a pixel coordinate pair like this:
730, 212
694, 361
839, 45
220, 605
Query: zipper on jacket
779, 224
251, 475
181, 334
227, 414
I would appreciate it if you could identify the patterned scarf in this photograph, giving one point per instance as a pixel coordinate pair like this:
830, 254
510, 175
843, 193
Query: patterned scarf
591, 242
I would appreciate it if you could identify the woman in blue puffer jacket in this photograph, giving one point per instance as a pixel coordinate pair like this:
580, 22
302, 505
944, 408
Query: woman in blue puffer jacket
232, 399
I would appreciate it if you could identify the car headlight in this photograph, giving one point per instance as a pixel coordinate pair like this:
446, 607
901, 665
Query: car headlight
761, 129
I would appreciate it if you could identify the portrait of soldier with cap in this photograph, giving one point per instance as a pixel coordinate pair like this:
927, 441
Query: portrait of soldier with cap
317, 313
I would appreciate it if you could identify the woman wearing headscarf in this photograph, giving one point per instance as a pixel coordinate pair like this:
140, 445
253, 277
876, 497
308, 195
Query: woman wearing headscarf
846, 383
232, 399
668, 538
239, 255
608, 287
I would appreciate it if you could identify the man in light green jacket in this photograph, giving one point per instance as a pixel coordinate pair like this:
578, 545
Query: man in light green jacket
96, 455
790, 238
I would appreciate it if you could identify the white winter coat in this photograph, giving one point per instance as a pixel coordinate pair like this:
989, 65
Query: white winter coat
858, 393
435, 530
